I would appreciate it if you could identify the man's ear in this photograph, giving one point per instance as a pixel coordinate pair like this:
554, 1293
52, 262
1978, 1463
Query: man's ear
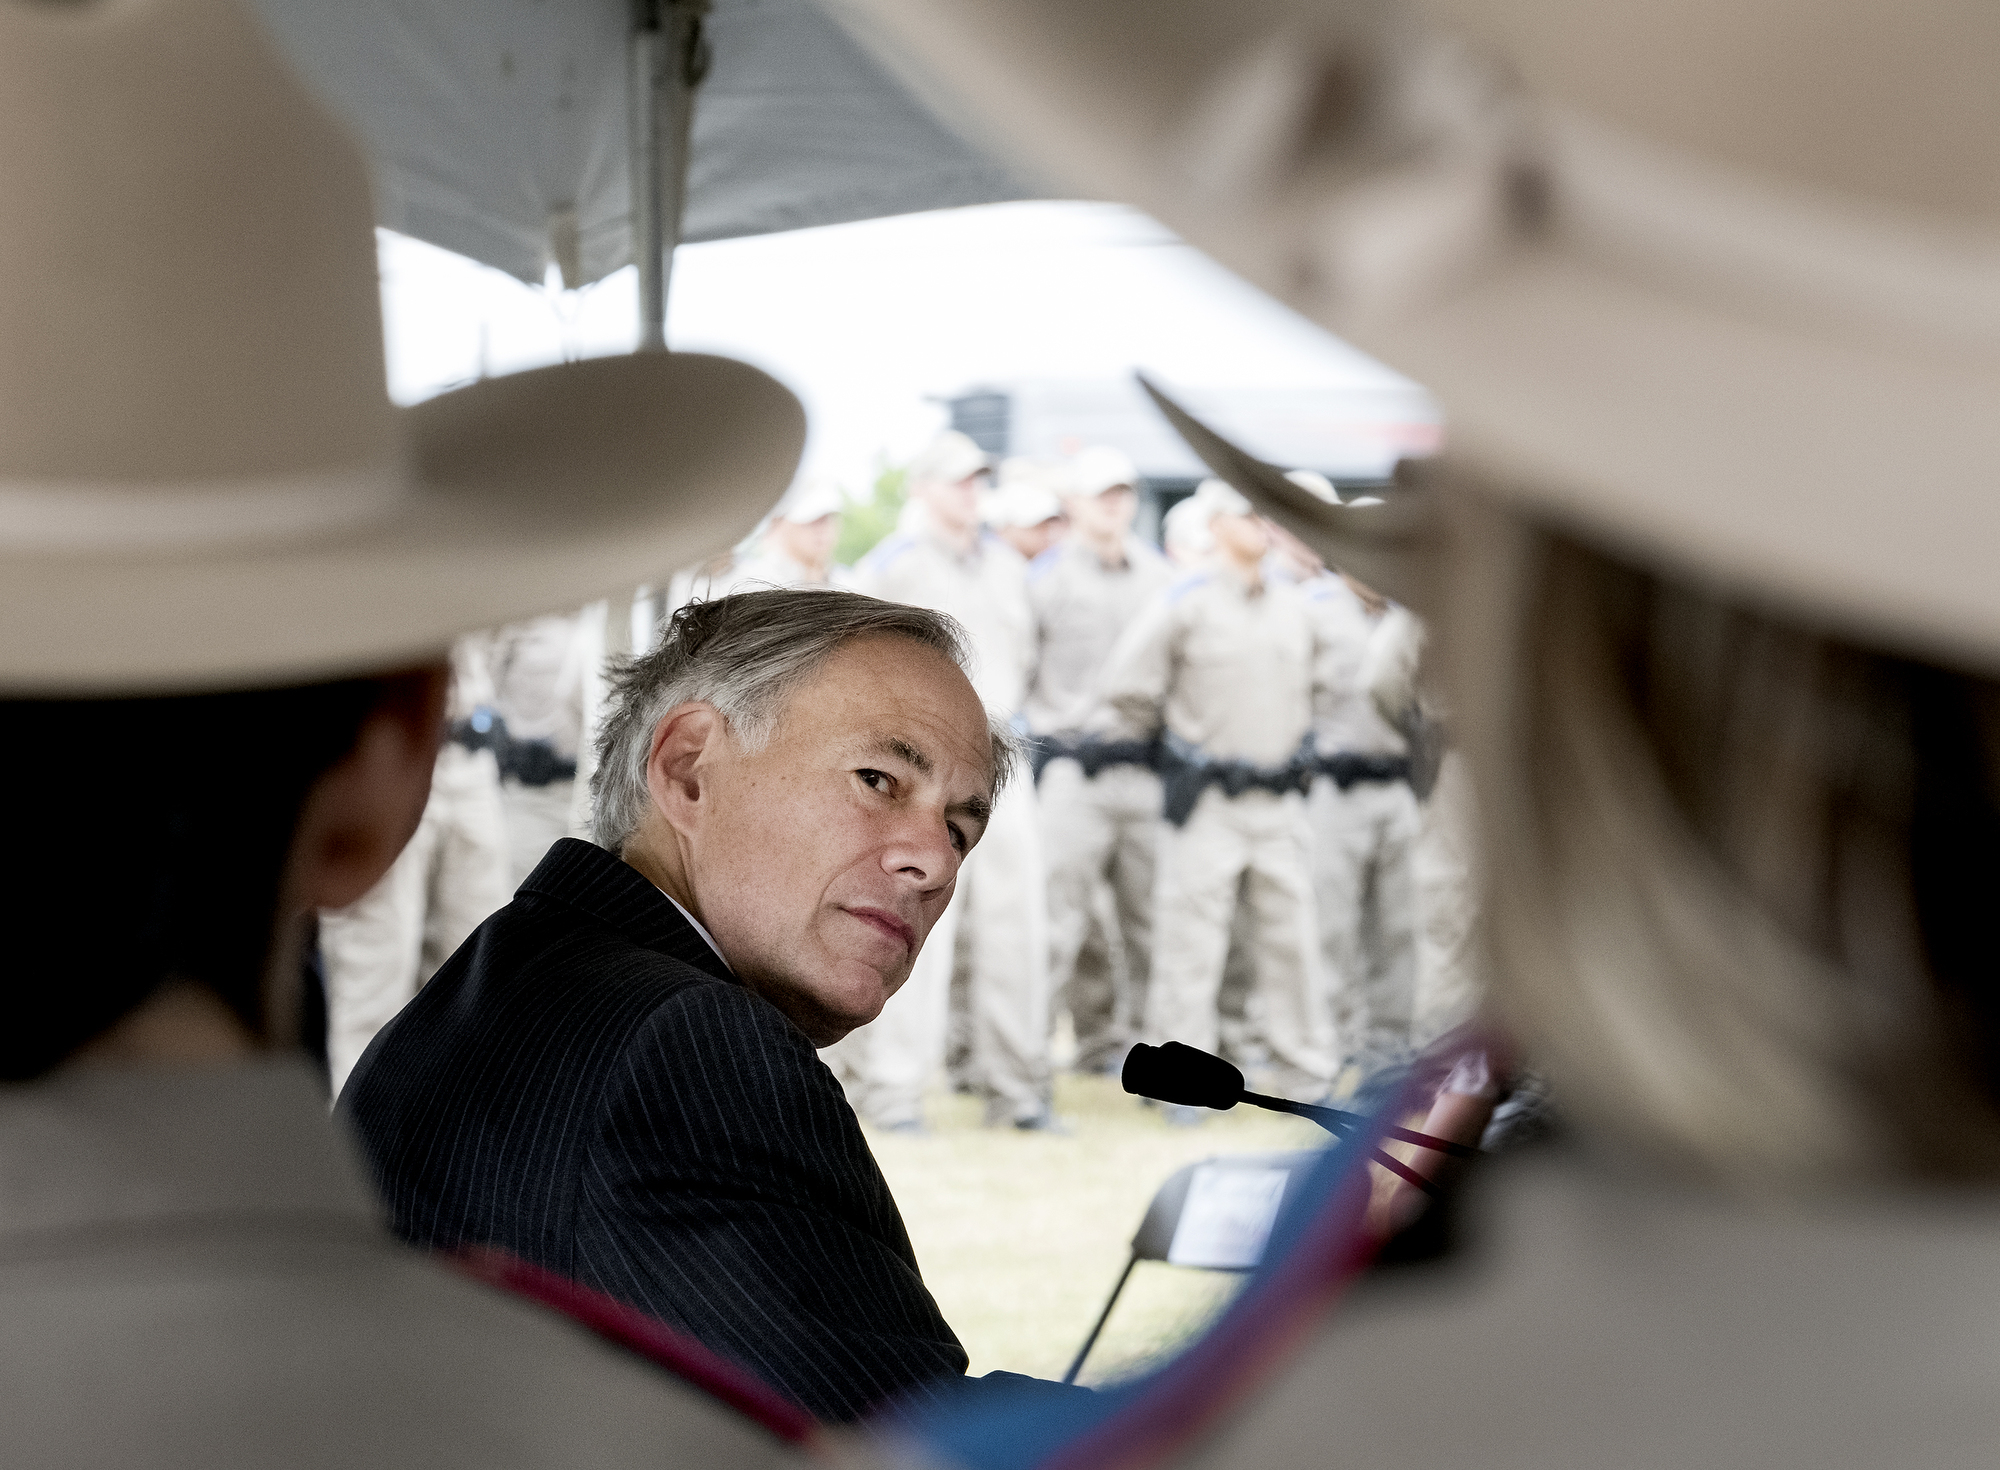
360, 814
673, 764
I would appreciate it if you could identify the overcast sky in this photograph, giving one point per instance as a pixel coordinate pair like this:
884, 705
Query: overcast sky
868, 321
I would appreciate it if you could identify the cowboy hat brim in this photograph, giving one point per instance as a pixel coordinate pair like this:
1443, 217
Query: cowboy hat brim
1377, 544
1823, 475
530, 493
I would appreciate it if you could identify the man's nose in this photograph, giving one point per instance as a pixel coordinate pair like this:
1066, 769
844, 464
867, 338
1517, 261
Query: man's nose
921, 851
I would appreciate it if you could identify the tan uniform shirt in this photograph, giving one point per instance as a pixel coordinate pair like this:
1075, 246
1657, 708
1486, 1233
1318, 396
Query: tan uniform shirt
196, 1275
1344, 716
1225, 668
756, 571
766, 568
1080, 606
985, 589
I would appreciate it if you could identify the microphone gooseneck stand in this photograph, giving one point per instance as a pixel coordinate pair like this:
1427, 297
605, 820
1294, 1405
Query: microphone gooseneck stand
1174, 1073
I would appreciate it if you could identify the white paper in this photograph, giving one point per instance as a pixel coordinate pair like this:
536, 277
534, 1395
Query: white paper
1227, 1217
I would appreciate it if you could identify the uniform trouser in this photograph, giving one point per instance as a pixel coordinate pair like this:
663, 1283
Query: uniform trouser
1100, 835
1446, 880
1002, 896
1257, 841
1363, 844
381, 948
536, 817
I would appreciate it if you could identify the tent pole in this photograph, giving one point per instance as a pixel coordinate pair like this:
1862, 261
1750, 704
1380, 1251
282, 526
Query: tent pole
669, 58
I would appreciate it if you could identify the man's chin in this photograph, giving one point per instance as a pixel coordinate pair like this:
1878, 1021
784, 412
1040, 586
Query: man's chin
823, 1027
828, 1015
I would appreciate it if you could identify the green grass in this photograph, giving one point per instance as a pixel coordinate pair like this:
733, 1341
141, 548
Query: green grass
1021, 1235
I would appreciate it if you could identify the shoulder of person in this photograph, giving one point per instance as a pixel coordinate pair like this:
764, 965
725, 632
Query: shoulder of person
723, 1017
747, 574
549, 980
998, 558
722, 1069
886, 553
1284, 589
1326, 587
1189, 582
405, 1354
1328, 599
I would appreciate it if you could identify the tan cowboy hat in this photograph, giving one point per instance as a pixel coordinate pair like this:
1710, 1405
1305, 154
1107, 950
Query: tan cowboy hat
202, 481
1716, 283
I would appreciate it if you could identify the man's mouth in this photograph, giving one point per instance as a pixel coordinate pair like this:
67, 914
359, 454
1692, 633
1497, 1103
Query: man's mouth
888, 923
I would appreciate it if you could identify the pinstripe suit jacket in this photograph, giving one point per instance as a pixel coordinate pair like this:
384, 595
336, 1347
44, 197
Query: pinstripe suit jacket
585, 1085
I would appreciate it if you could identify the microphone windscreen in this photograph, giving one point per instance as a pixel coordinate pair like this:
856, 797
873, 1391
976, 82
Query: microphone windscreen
1174, 1073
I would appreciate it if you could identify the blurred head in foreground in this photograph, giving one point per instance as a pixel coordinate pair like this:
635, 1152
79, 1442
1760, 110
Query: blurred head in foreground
229, 565
1730, 709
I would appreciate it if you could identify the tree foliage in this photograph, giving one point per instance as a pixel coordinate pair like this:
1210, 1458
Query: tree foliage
865, 522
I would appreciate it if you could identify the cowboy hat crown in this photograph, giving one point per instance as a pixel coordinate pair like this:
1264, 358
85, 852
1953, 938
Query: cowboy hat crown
202, 480
194, 319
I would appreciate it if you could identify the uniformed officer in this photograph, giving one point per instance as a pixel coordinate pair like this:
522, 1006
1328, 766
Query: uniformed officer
1365, 821
1184, 534
793, 548
380, 949
796, 546
939, 559
1026, 511
1221, 666
540, 677
1100, 798
1444, 878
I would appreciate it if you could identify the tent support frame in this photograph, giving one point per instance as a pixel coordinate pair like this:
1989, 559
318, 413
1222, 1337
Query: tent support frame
669, 58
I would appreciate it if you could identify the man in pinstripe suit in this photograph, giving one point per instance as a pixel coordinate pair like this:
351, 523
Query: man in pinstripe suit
615, 1078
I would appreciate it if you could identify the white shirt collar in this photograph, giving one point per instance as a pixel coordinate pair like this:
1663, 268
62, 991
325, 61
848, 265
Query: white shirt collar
699, 928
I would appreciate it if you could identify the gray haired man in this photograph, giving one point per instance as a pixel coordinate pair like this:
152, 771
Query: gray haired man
615, 1079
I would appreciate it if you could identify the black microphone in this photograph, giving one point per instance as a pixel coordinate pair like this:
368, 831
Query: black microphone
1174, 1073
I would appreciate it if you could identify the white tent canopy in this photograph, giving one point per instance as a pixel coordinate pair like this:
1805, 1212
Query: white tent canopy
499, 128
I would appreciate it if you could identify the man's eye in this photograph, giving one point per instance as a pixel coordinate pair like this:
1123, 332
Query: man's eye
957, 836
874, 780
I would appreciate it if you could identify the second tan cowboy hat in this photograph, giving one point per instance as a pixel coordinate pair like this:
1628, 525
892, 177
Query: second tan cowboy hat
202, 481
1716, 283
